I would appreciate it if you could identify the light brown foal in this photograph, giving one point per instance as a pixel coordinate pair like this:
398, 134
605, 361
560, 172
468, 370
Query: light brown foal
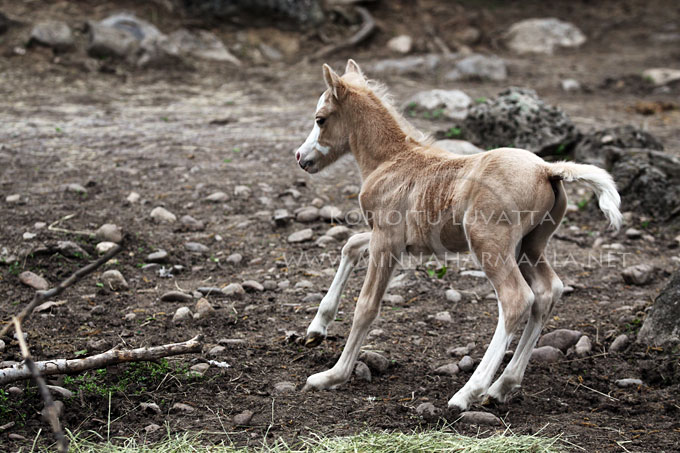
502, 206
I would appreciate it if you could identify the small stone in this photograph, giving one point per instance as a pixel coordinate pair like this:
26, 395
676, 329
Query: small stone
243, 192
209, 291
216, 350
480, 418
628, 382
28, 236
243, 419
584, 346
542, 35
339, 233
375, 361
176, 296
182, 314
199, 369
301, 236
561, 339
150, 407
478, 66
104, 247
620, 343
453, 296
393, 299
181, 407
129, 317
283, 284
330, 213
466, 364
312, 298
661, 76
639, 275
324, 241
450, 369
318, 202
203, 308
98, 310
114, 280
15, 198
16, 437
71, 250
217, 197
234, 258
307, 214
152, 428
362, 372
375, 333
427, 410
281, 217
39, 225
162, 215
570, 85
60, 391
459, 351
195, 247
28, 278
54, 34
252, 286
632, 233
76, 188
109, 232
15, 391
269, 285
284, 387
546, 354
160, 256
476, 274
2, 346
233, 289
192, 224
401, 44
443, 316
133, 197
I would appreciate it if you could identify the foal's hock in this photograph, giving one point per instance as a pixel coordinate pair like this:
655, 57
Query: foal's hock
502, 206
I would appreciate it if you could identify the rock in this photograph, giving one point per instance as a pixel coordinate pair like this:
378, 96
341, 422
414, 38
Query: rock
312, 298
269, 285
98, 310
109, 232
561, 339
103, 247
416, 65
453, 296
176, 296
466, 364
546, 354
460, 351
160, 214
133, 197
243, 192
75, 188
60, 391
195, 247
151, 428
628, 382
427, 410
362, 372
339, 232
438, 104
661, 76
519, 118
234, 258
28, 236
199, 369
201, 44
2, 346
71, 250
203, 308
15, 391
376, 362
16, 437
182, 314
15, 198
233, 289
443, 316
619, 344
393, 299
114, 280
284, 387
150, 407
604, 147
28, 278
301, 236
450, 369
639, 275
324, 241
583, 347
216, 351
307, 214
542, 36
252, 286
281, 217
632, 233
460, 147
479, 67
330, 213
54, 34
480, 418
570, 85
106, 41
191, 224
243, 419
160, 256
181, 407
400, 44
662, 324
217, 197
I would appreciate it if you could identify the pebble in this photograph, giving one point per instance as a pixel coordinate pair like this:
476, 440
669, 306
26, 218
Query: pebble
569, 85
477, 274
450, 369
75, 187
15, 198
2, 346
150, 407
196, 247
307, 214
632, 233
71, 250
28, 278
443, 316
639, 275
312, 298
661, 76
234, 258
114, 280
339, 232
104, 247
15, 436
561, 339
269, 285
546, 354
133, 197
375, 333
401, 44
283, 284
160, 214
362, 372
301, 236
393, 299
60, 391
324, 241
584, 346
459, 351
284, 387
39, 225
281, 217
375, 361
176, 296
152, 428
15, 391
252, 286
28, 236
160, 256
182, 314
181, 407
192, 224
243, 192
628, 382
217, 197
243, 419
466, 364
129, 317
620, 343
453, 296
330, 213
98, 310
200, 368
203, 308
109, 232
480, 418
427, 410
232, 289
216, 350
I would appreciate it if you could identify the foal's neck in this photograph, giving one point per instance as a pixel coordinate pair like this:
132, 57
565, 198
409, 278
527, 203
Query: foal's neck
376, 135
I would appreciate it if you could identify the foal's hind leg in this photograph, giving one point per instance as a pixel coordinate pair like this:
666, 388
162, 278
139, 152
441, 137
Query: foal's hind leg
351, 254
495, 251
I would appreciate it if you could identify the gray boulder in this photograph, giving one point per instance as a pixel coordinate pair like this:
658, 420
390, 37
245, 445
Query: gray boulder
662, 325
415, 65
603, 147
542, 35
439, 104
201, 44
54, 34
480, 67
304, 12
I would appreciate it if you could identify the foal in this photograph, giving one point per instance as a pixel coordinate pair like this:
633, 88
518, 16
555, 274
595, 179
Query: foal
502, 206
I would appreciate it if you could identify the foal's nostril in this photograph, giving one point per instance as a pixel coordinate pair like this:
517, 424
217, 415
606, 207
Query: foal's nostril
297, 156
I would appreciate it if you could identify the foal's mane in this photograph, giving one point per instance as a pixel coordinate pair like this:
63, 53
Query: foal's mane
380, 91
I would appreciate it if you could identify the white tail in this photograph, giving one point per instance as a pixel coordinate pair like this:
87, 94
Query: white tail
599, 181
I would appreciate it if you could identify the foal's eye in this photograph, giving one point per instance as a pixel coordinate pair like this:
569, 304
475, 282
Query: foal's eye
320, 121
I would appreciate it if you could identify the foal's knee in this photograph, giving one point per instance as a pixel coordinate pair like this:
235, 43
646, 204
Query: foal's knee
515, 305
354, 248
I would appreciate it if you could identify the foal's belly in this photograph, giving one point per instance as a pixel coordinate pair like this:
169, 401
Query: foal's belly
437, 239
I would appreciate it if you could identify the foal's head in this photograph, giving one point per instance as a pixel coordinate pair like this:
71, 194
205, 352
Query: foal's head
329, 138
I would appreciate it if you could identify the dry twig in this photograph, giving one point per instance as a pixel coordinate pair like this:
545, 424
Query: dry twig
367, 27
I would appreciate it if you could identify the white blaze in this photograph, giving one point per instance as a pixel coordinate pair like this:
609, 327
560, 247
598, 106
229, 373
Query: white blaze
312, 142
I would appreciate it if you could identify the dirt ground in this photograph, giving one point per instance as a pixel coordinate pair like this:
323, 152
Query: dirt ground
176, 136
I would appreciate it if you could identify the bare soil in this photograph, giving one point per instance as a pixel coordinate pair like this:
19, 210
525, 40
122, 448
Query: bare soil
177, 136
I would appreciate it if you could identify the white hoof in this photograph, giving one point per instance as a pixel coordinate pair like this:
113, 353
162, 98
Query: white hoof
500, 391
459, 402
323, 380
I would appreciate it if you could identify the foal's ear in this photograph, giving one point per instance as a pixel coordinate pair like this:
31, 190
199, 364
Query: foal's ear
352, 66
333, 82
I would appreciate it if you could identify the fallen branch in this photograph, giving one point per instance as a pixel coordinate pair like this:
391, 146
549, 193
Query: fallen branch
50, 412
53, 227
111, 357
367, 27
41, 296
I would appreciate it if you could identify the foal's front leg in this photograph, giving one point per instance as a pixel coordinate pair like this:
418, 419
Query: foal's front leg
381, 264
